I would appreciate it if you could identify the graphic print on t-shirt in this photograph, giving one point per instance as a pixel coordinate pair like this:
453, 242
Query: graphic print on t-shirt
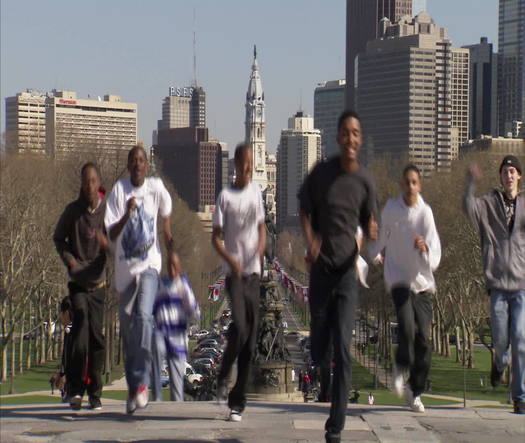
139, 235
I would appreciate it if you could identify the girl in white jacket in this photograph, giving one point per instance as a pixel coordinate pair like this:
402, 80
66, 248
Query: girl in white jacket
410, 250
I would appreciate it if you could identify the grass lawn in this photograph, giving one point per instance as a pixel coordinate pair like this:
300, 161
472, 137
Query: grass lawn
447, 378
37, 379
29, 399
34, 379
364, 382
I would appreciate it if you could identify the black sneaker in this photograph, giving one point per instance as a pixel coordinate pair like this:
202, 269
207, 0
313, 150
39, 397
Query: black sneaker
331, 437
495, 376
519, 407
95, 404
75, 402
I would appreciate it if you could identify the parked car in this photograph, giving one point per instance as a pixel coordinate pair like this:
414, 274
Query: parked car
191, 375
201, 346
216, 358
210, 350
214, 335
206, 362
199, 335
208, 341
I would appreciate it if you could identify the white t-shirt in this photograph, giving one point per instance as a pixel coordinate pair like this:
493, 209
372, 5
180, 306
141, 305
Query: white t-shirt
137, 246
239, 212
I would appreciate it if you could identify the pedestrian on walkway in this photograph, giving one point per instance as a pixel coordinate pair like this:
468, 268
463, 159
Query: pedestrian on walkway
499, 216
239, 237
410, 249
335, 198
174, 310
80, 241
131, 221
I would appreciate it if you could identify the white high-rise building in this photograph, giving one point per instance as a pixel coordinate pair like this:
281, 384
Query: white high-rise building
75, 125
58, 123
299, 150
255, 124
26, 122
183, 107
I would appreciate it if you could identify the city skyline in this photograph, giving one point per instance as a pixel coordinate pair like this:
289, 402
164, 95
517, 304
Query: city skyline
150, 49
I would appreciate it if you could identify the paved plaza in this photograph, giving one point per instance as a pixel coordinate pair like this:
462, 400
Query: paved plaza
262, 422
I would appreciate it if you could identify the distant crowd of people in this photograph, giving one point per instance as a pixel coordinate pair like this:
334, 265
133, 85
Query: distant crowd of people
337, 200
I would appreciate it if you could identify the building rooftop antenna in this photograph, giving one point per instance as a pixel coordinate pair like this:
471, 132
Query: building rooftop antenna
194, 50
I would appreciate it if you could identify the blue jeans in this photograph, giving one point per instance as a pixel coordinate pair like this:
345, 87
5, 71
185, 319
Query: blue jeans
507, 320
136, 325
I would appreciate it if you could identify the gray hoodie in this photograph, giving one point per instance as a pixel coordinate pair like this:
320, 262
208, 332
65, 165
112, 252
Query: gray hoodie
503, 251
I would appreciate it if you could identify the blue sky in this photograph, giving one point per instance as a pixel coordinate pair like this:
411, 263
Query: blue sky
137, 49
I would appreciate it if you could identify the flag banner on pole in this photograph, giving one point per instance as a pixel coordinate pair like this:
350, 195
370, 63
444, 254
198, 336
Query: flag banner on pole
292, 285
214, 290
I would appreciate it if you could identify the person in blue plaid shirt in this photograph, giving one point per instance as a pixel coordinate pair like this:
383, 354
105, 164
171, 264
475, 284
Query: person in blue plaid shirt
174, 310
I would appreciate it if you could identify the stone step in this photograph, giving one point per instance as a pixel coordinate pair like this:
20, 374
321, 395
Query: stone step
293, 397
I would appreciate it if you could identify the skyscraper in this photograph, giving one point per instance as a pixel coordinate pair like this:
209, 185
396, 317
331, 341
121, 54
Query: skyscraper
511, 64
255, 124
420, 109
299, 149
184, 107
362, 25
193, 163
483, 89
25, 117
329, 102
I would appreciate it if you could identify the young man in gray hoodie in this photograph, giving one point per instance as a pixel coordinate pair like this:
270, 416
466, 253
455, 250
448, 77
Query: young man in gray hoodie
499, 217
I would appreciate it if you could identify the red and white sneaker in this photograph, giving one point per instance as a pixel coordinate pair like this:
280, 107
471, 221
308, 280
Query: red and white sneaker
141, 398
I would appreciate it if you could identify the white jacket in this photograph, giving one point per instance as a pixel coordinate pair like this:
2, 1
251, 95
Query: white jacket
404, 264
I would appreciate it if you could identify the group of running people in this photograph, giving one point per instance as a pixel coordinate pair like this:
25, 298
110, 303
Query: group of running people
337, 199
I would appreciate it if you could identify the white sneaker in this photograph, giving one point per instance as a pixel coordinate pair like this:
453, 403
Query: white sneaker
235, 415
398, 376
141, 399
415, 403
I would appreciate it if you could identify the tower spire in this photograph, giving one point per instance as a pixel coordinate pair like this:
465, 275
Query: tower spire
194, 51
254, 52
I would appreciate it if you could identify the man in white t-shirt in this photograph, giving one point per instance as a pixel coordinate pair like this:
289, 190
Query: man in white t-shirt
239, 221
131, 221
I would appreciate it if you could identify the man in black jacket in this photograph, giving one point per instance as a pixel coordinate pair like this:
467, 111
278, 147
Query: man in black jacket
80, 241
